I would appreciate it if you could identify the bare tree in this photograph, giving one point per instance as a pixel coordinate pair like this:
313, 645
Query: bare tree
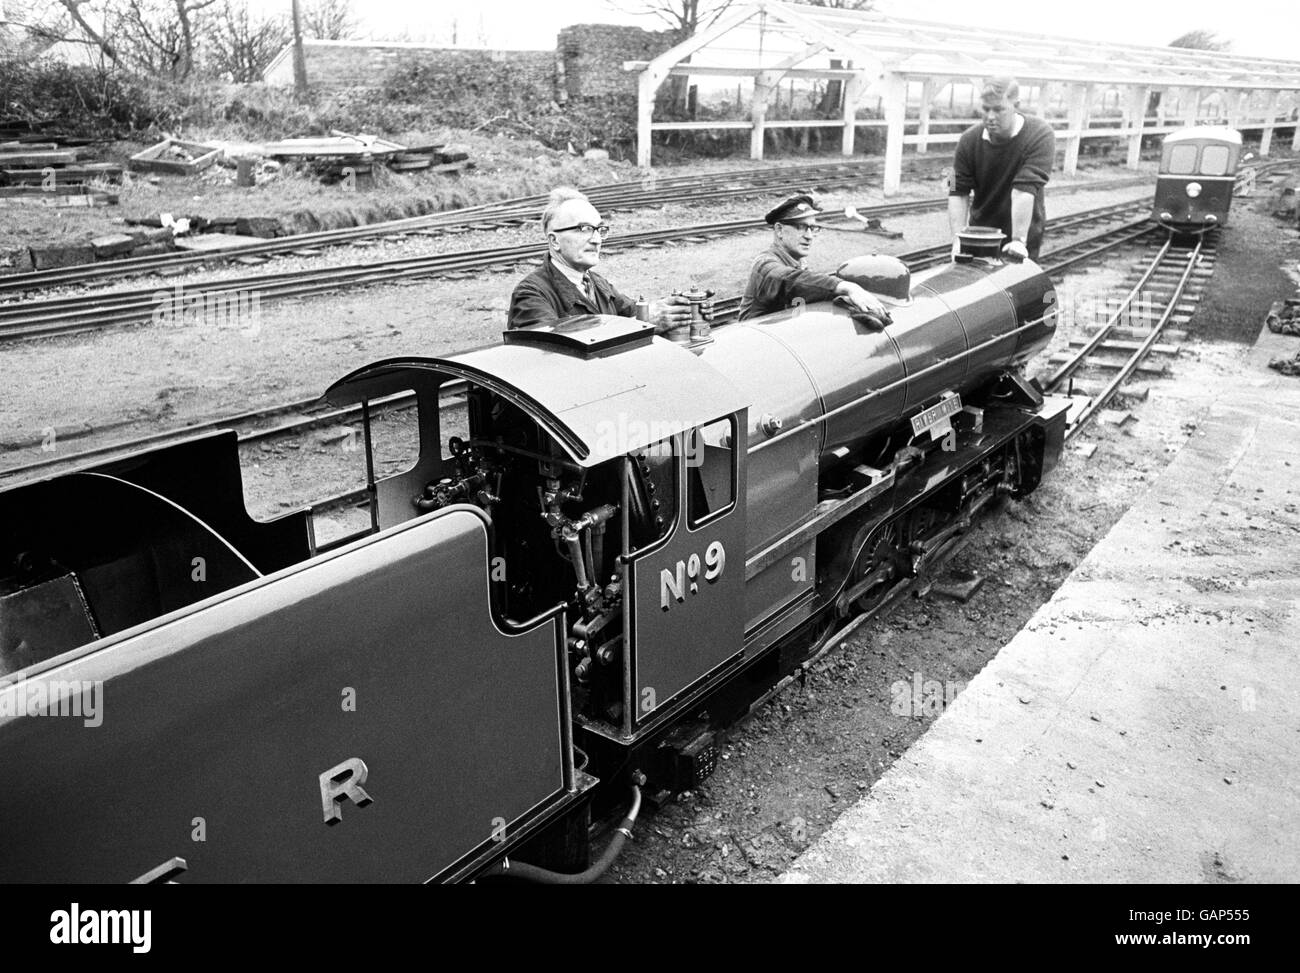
329, 20
88, 34
185, 14
241, 45
863, 5
684, 16
1201, 40
159, 36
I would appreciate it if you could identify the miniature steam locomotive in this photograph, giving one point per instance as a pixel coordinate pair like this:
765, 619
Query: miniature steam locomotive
628, 543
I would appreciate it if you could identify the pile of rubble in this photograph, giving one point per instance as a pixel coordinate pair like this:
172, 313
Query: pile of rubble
1284, 318
343, 155
35, 169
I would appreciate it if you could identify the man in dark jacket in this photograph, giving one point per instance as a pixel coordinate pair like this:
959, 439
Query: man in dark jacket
778, 278
1000, 169
566, 286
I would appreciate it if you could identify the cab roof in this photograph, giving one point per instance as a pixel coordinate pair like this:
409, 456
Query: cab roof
598, 407
1195, 133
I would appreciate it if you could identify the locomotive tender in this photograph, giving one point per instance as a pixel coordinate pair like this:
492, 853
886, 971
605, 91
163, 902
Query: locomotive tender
635, 542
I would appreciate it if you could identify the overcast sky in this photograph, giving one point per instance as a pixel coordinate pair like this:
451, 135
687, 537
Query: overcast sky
1265, 29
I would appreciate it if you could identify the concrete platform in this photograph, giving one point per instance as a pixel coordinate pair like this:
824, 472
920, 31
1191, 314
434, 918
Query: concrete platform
1145, 725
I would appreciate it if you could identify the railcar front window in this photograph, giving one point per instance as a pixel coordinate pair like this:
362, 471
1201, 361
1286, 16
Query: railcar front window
1182, 160
1214, 160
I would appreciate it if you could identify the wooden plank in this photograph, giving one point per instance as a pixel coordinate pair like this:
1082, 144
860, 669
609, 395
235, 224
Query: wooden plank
338, 146
15, 159
377, 143
55, 190
152, 152
52, 199
65, 175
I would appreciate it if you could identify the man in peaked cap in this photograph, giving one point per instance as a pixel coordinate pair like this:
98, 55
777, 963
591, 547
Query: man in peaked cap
778, 279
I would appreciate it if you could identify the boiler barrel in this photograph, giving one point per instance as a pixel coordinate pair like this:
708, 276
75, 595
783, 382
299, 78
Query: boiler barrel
964, 324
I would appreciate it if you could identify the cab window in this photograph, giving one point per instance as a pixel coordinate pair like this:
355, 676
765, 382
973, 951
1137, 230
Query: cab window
1214, 160
710, 457
1182, 160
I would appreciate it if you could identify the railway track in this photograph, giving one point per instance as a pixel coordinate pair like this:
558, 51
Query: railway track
303, 415
613, 197
1162, 293
69, 315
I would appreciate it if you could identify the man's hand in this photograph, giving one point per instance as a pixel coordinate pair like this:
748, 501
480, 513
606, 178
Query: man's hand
862, 300
1016, 250
670, 312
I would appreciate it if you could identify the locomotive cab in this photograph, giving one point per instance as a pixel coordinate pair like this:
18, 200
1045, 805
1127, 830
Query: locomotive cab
610, 465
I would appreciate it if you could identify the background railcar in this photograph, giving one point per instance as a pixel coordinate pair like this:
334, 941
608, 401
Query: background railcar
1198, 171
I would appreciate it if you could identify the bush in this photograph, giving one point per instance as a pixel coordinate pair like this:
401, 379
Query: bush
81, 98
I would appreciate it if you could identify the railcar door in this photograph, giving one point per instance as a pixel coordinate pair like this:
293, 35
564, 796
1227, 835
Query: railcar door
686, 582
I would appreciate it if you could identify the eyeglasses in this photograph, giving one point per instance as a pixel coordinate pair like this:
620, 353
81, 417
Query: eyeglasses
586, 229
801, 228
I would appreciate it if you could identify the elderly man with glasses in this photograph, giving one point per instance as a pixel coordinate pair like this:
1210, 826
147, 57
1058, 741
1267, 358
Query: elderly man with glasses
565, 286
778, 279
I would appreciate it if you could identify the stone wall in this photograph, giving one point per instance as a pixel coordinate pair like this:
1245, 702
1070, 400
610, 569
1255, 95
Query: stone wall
589, 58
346, 64
586, 64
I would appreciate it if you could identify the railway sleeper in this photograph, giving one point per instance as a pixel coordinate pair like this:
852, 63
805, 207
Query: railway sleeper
1128, 347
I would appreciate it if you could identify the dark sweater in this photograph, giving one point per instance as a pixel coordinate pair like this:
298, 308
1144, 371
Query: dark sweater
992, 171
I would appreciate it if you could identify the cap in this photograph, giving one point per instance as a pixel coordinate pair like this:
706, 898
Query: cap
798, 207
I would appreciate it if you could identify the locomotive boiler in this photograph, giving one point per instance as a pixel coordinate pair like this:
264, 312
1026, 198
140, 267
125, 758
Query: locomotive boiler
620, 545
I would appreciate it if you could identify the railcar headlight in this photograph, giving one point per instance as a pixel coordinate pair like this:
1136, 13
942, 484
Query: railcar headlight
1193, 189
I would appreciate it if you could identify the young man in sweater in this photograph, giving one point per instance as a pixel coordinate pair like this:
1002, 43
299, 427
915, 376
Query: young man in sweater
1000, 169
